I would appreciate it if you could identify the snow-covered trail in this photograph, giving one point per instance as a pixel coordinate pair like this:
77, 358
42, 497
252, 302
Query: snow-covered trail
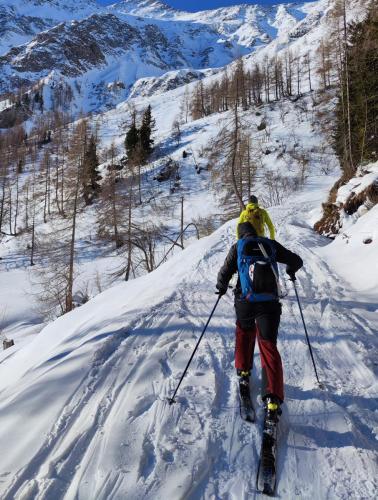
89, 418
331, 443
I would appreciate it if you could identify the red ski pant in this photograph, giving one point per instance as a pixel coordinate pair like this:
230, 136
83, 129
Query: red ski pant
264, 326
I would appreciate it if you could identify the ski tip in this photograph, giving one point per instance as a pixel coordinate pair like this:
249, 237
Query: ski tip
268, 491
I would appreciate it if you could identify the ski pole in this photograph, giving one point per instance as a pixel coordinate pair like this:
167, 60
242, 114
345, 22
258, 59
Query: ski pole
172, 399
307, 337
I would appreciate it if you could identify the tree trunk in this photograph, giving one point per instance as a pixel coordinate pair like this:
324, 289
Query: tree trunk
346, 72
114, 213
10, 208
32, 242
69, 292
27, 207
57, 186
182, 223
45, 198
365, 129
33, 220
2, 202
17, 206
234, 156
129, 244
249, 167
309, 72
139, 184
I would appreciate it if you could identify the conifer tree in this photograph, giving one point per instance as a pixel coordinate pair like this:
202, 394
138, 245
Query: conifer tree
359, 86
112, 207
91, 176
132, 138
145, 132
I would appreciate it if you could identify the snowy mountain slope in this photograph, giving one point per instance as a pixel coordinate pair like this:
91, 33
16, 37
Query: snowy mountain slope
168, 81
17, 29
128, 48
21, 20
51, 8
144, 8
101, 50
247, 24
202, 197
297, 28
253, 24
93, 384
196, 135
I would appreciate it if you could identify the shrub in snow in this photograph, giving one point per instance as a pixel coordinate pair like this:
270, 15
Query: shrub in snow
262, 126
7, 344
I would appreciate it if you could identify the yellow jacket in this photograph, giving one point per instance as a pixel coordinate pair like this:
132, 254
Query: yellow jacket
259, 218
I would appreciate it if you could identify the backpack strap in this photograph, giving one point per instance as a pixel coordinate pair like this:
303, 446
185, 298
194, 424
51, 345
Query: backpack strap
245, 261
273, 265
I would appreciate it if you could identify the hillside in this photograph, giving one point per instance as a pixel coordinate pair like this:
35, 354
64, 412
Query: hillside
91, 50
23, 19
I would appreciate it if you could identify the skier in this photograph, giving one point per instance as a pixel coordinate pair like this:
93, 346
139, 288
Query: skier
258, 311
258, 217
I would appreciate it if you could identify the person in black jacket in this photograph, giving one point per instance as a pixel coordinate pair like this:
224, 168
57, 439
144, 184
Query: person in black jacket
259, 319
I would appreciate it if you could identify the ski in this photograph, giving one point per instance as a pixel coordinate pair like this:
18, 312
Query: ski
247, 411
266, 472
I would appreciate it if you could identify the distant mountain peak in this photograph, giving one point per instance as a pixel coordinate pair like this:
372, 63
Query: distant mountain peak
142, 7
55, 4
143, 3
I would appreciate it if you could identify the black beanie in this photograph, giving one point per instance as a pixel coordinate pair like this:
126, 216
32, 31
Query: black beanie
253, 199
246, 229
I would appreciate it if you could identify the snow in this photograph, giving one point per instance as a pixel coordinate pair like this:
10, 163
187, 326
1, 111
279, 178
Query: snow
54, 9
201, 198
358, 239
93, 384
6, 103
83, 400
358, 245
230, 32
102, 374
23, 19
366, 176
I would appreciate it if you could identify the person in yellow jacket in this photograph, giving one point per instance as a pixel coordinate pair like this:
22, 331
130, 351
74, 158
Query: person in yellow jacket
258, 217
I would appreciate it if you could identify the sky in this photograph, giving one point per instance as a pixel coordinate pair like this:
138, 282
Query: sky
195, 5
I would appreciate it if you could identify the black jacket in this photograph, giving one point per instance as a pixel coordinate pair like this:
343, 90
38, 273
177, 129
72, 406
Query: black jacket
283, 255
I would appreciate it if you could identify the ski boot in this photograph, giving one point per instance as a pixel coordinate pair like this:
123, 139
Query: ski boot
272, 408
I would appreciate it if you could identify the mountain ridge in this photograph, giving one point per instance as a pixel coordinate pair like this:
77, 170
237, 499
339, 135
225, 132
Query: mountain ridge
187, 41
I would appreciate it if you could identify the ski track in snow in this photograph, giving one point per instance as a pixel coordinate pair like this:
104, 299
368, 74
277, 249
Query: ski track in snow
117, 437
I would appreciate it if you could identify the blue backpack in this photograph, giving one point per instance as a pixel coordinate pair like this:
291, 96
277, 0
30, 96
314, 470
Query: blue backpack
258, 270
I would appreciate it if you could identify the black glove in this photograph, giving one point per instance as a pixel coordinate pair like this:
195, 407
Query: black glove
222, 289
291, 274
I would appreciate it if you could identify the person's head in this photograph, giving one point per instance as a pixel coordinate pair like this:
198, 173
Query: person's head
253, 199
246, 229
